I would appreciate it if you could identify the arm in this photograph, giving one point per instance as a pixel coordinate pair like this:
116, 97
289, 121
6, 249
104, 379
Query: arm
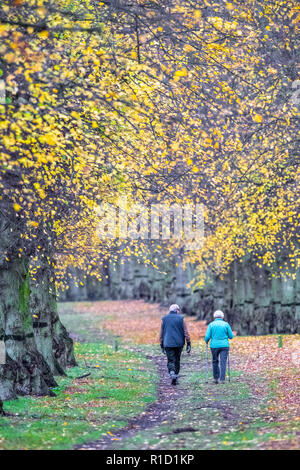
229, 332
187, 338
161, 338
186, 333
208, 334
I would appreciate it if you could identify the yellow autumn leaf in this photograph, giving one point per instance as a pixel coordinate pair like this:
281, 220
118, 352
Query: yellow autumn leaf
180, 73
188, 48
257, 118
33, 223
48, 139
9, 57
17, 207
43, 34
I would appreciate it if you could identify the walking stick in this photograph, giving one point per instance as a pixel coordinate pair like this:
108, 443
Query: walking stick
228, 367
206, 363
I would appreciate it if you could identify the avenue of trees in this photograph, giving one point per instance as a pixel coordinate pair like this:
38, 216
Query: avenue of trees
159, 100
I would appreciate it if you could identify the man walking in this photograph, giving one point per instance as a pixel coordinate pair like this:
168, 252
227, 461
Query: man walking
218, 333
173, 334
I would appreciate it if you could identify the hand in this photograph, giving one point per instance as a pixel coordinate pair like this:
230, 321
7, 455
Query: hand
188, 348
162, 349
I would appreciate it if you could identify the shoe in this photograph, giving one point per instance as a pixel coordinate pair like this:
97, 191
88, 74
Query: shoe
222, 381
173, 378
216, 382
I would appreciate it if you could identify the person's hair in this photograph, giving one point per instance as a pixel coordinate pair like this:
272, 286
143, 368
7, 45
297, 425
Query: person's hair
174, 307
218, 314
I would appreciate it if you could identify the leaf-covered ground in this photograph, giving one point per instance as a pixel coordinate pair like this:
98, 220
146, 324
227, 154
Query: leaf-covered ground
128, 403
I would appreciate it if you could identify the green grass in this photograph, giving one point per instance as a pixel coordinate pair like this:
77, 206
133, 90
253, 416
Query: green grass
85, 324
258, 433
84, 409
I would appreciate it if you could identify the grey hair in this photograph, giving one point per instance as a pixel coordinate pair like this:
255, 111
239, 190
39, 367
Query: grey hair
174, 307
218, 314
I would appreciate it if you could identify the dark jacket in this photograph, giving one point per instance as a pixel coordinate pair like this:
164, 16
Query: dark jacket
173, 332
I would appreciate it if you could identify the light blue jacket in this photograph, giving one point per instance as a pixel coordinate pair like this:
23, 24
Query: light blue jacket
218, 332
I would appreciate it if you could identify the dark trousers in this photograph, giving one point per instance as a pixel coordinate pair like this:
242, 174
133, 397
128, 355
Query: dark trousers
173, 356
221, 353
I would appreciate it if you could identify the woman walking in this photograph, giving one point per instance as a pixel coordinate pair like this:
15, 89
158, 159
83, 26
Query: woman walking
218, 333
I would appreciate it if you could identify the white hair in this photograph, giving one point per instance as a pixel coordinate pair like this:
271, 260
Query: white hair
174, 307
218, 314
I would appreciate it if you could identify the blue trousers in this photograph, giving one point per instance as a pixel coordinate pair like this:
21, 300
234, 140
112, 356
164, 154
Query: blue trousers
222, 354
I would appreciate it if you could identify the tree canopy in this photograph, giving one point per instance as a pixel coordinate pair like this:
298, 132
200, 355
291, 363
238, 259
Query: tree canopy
156, 100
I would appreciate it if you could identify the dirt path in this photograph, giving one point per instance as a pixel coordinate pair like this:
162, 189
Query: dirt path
165, 411
162, 410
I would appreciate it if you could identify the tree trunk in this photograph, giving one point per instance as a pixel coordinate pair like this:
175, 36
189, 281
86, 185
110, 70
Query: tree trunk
51, 337
62, 343
25, 372
41, 308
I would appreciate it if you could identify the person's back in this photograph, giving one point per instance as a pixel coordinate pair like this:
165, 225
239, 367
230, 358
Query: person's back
173, 334
218, 332
173, 330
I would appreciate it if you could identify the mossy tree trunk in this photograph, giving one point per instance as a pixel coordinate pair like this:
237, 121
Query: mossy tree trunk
51, 336
41, 307
25, 372
62, 343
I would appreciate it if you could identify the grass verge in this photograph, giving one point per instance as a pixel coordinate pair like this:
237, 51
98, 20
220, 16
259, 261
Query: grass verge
117, 389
